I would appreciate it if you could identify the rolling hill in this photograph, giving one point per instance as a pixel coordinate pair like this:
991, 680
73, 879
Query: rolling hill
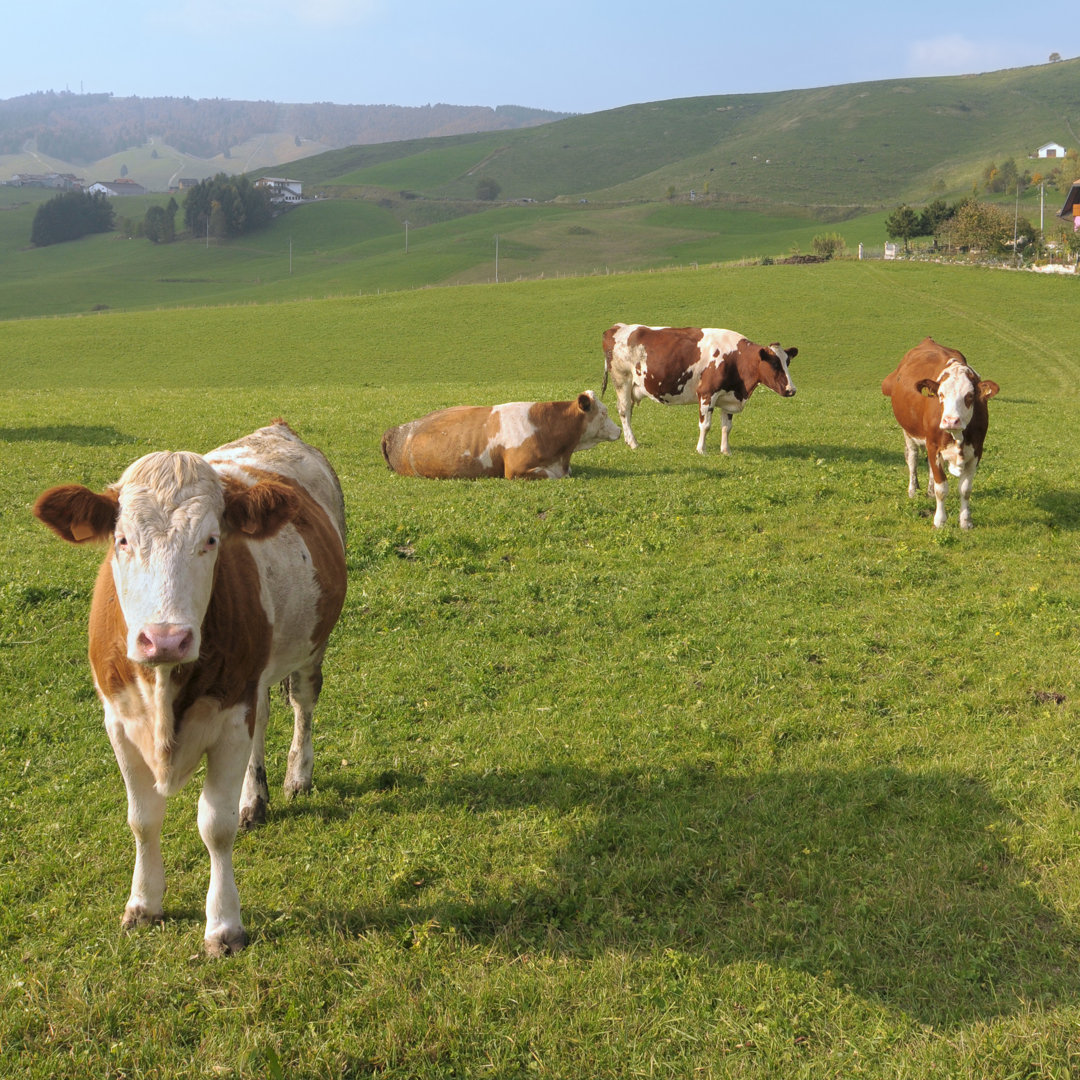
590, 194
834, 151
158, 140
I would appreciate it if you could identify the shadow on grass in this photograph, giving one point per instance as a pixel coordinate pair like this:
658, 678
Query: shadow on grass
76, 434
897, 885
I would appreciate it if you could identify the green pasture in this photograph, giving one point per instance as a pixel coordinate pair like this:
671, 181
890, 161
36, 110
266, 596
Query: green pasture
349, 247
682, 766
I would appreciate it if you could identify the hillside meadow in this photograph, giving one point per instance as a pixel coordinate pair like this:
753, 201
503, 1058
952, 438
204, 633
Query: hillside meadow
682, 766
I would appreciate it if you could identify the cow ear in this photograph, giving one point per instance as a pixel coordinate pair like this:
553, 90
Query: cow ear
792, 353
987, 389
585, 402
261, 510
927, 387
77, 514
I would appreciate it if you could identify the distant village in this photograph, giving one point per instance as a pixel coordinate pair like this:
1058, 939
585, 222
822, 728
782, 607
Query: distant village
282, 191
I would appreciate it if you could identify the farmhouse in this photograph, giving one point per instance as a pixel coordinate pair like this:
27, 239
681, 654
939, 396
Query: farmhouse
282, 191
1071, 209
116, 187
1050, 150
60, 181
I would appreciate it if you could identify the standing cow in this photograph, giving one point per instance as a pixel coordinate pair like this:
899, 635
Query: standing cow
679, 365
225, 574
939, 401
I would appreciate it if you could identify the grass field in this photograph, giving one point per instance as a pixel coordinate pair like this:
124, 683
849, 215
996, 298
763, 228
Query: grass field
682, 766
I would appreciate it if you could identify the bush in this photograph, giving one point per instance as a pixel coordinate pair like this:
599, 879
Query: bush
827, 245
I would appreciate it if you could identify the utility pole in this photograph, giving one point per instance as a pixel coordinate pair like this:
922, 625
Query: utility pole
406, 238
496, 258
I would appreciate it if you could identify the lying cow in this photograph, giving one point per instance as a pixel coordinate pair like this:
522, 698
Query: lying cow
532, 439
940, 402
225, 574
679, 365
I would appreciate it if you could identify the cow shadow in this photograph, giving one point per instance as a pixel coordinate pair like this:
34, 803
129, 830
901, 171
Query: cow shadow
76, 434
855, 455
898, 886
1062, 507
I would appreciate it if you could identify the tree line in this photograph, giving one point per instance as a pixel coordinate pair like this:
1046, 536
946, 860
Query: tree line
223, 206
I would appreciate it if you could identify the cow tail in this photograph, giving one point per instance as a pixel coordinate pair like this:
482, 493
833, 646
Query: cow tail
388, 441
609, 344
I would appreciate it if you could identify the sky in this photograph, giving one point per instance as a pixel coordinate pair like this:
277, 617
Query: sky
567, 56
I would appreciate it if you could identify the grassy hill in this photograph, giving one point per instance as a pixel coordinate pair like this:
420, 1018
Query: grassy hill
834, 150
585, 195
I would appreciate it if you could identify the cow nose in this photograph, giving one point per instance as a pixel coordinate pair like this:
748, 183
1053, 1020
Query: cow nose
164, 643
789, 392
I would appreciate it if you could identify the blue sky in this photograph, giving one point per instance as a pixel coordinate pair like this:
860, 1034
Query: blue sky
569, 56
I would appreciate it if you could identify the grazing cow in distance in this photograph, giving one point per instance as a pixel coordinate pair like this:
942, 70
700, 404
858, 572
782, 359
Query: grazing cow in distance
225, 574
939, 401
679, 365
530, 439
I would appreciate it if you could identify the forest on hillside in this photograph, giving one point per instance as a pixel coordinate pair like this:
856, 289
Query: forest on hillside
82, 128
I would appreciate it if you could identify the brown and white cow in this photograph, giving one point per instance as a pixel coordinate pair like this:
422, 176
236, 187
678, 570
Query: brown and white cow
225, 574
531, 439
940, 402
679, 365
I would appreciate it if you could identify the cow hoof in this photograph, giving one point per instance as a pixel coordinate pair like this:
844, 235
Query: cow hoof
296, 787
226, 945
254, 815
137, 915
965, 524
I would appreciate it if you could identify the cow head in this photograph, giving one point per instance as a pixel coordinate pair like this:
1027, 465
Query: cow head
774, 371
166, 518
599, 427
957, 388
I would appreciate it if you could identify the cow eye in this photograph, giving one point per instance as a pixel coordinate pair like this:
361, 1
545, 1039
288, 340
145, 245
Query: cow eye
211, 543
122, 543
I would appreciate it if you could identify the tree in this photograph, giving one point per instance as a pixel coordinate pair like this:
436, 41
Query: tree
1055, 58
226, 206
70, 216
159, 224
902, 224
980, 227
487, 189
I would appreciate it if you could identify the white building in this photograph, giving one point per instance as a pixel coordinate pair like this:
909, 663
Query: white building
282, 191
1050, 150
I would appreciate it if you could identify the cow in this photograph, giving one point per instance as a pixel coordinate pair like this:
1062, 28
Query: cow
940, 402
678, 365
529, 439
225, 574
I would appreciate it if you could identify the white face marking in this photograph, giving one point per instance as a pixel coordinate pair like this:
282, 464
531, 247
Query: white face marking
956, 392
600, 427
782, 356
165, 545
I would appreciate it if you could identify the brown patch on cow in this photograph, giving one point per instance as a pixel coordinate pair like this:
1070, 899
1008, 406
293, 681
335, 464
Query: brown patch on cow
108, 635
670, 354
236, 636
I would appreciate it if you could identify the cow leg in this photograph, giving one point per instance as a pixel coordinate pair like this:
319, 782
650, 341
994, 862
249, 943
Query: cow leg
255, 797
939, 482
624, 400
705, 411
304, 688
911, 456
966, 480
726, 420
146, 814
219, 819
